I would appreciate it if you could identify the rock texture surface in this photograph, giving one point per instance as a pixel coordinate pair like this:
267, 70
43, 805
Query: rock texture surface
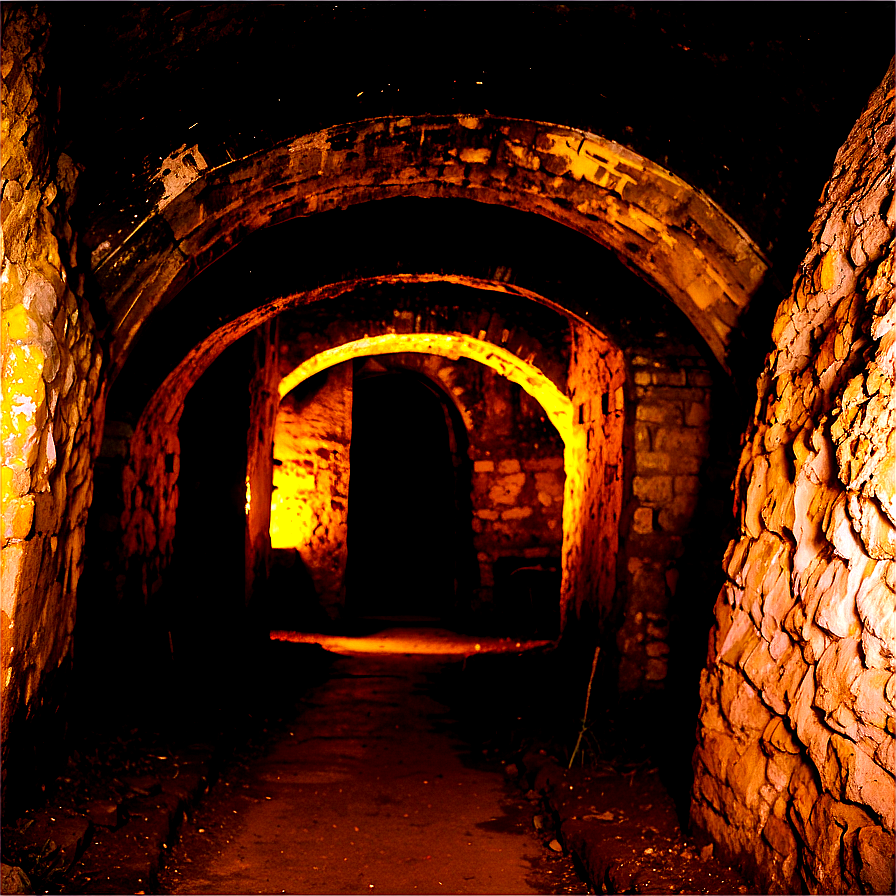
795, 764
50, 372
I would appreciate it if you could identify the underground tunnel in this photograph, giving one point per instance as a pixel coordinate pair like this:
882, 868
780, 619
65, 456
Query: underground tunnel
553, 367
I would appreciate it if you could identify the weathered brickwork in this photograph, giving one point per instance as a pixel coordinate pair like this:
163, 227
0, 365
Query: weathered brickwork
594, 464
795, 764
671, 400
673, 235
543, 503
312, 439
50, 371
517, 480
512, 464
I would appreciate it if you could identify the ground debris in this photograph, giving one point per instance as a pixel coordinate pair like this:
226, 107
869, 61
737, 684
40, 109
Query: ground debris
639, 850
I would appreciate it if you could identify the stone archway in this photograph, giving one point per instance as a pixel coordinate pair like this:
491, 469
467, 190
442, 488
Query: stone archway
403, 524
578, 456
589, 418
667, 232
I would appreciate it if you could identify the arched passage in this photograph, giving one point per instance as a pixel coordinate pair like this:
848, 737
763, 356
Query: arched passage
666, 496
150, 481
592, 437
557, 405
402, 533
667, 232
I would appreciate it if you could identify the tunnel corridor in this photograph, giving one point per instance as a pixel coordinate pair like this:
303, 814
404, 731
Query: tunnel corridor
403, 529
369, 790
320, 349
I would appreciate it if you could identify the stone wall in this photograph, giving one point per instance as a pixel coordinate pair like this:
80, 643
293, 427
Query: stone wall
795, 761
671, 234
515, 453
513, 503
671, 394
312, 436
594, 465
517, 486
528, 491
50, 373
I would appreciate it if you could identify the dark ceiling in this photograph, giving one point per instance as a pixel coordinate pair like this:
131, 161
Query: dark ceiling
748, 101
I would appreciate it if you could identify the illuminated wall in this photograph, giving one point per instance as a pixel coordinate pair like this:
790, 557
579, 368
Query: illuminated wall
796, 756
557, 407
312, 435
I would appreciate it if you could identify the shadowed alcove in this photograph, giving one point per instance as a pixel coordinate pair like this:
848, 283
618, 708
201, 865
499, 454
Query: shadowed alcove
404, 534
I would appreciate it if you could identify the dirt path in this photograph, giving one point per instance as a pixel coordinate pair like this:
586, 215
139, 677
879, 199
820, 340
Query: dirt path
367, 792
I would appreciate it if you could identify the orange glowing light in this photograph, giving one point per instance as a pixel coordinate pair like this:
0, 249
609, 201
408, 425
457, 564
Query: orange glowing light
407, 641
293, 519
290, 522
248, 496
557, 406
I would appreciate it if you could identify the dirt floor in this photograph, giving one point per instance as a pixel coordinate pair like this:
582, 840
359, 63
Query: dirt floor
368, 791
156, 810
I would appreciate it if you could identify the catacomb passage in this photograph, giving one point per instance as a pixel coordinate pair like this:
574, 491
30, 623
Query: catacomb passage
308, 330
402, 519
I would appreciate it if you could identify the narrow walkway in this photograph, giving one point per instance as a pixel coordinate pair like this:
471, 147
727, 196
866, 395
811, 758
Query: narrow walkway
367, 792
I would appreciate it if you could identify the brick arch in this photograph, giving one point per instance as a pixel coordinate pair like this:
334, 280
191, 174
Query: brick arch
579, 453
664, 230
589, 417
297, 520
557, 405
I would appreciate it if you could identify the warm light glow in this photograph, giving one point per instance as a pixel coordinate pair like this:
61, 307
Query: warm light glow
556, 405
292, 517
417, 641
248, 496
292, 522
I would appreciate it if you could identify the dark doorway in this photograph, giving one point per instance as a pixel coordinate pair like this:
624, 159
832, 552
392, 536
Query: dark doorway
401, 513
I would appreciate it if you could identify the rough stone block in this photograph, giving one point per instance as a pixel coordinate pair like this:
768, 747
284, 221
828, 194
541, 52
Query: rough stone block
871, 703
507, 488
681, 440
746, 776
875, 604
867, 784
876, 848
666, 412
657, 669
550, 482
779, 835
543, 464
516, 513
642, 523
670, 377
653, 489
697, 414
